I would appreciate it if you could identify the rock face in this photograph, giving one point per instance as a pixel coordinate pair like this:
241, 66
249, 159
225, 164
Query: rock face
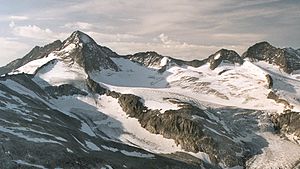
36, 53
224, 56
149, 59
83, 50
181, 126
269, 81
64, 90
95, 87
276, 98
288, 123
153, 59
287, 59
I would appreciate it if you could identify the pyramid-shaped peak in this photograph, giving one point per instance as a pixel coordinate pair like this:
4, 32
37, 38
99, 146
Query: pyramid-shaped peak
80, 37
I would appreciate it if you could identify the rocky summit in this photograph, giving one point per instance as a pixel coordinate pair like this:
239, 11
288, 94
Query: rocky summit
77, 104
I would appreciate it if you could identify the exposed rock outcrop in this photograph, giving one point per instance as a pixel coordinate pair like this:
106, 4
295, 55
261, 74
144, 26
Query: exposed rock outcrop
95, 87
153, 59
288, 123
277, 99
225, 56
179, 125
148, 59
269, 81
287, 59
64, 90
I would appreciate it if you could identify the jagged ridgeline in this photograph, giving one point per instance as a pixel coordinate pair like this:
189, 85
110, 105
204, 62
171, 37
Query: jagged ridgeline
77, 104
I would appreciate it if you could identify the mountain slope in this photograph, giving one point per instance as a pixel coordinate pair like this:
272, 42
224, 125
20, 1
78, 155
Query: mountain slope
36, 53
99, 109
37, 133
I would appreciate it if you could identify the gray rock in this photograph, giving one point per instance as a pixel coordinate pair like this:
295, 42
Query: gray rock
277, 99
287, 123
192, 135
64, 90
225, 55
269, 81
87, 53
95, 87
287, 59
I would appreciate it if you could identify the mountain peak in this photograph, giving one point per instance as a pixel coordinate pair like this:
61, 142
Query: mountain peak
83, 50
224, 55
262, 51
287, 59
79, 37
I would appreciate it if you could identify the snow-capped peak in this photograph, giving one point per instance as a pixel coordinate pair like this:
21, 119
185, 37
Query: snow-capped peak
80, 37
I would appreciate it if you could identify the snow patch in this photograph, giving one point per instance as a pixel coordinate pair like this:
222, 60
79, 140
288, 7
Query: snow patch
217, 56
137, 154
161, 105
32, 66
164, 61
110, 148
86, 129
92, 146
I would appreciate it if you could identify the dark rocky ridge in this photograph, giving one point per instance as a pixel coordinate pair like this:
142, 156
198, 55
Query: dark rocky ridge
224, 55
190, 134
146, 58
36, 53
64, 90
153, 59
287, 59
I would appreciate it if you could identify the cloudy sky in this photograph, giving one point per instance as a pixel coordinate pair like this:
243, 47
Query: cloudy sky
186, 29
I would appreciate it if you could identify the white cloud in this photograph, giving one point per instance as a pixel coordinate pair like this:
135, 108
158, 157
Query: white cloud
12, 24
112, 37
79, 26
169, 47
18, 17
36, 33
11, 49
33, 31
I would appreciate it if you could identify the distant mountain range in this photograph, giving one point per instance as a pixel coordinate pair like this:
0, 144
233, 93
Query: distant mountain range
77, 104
